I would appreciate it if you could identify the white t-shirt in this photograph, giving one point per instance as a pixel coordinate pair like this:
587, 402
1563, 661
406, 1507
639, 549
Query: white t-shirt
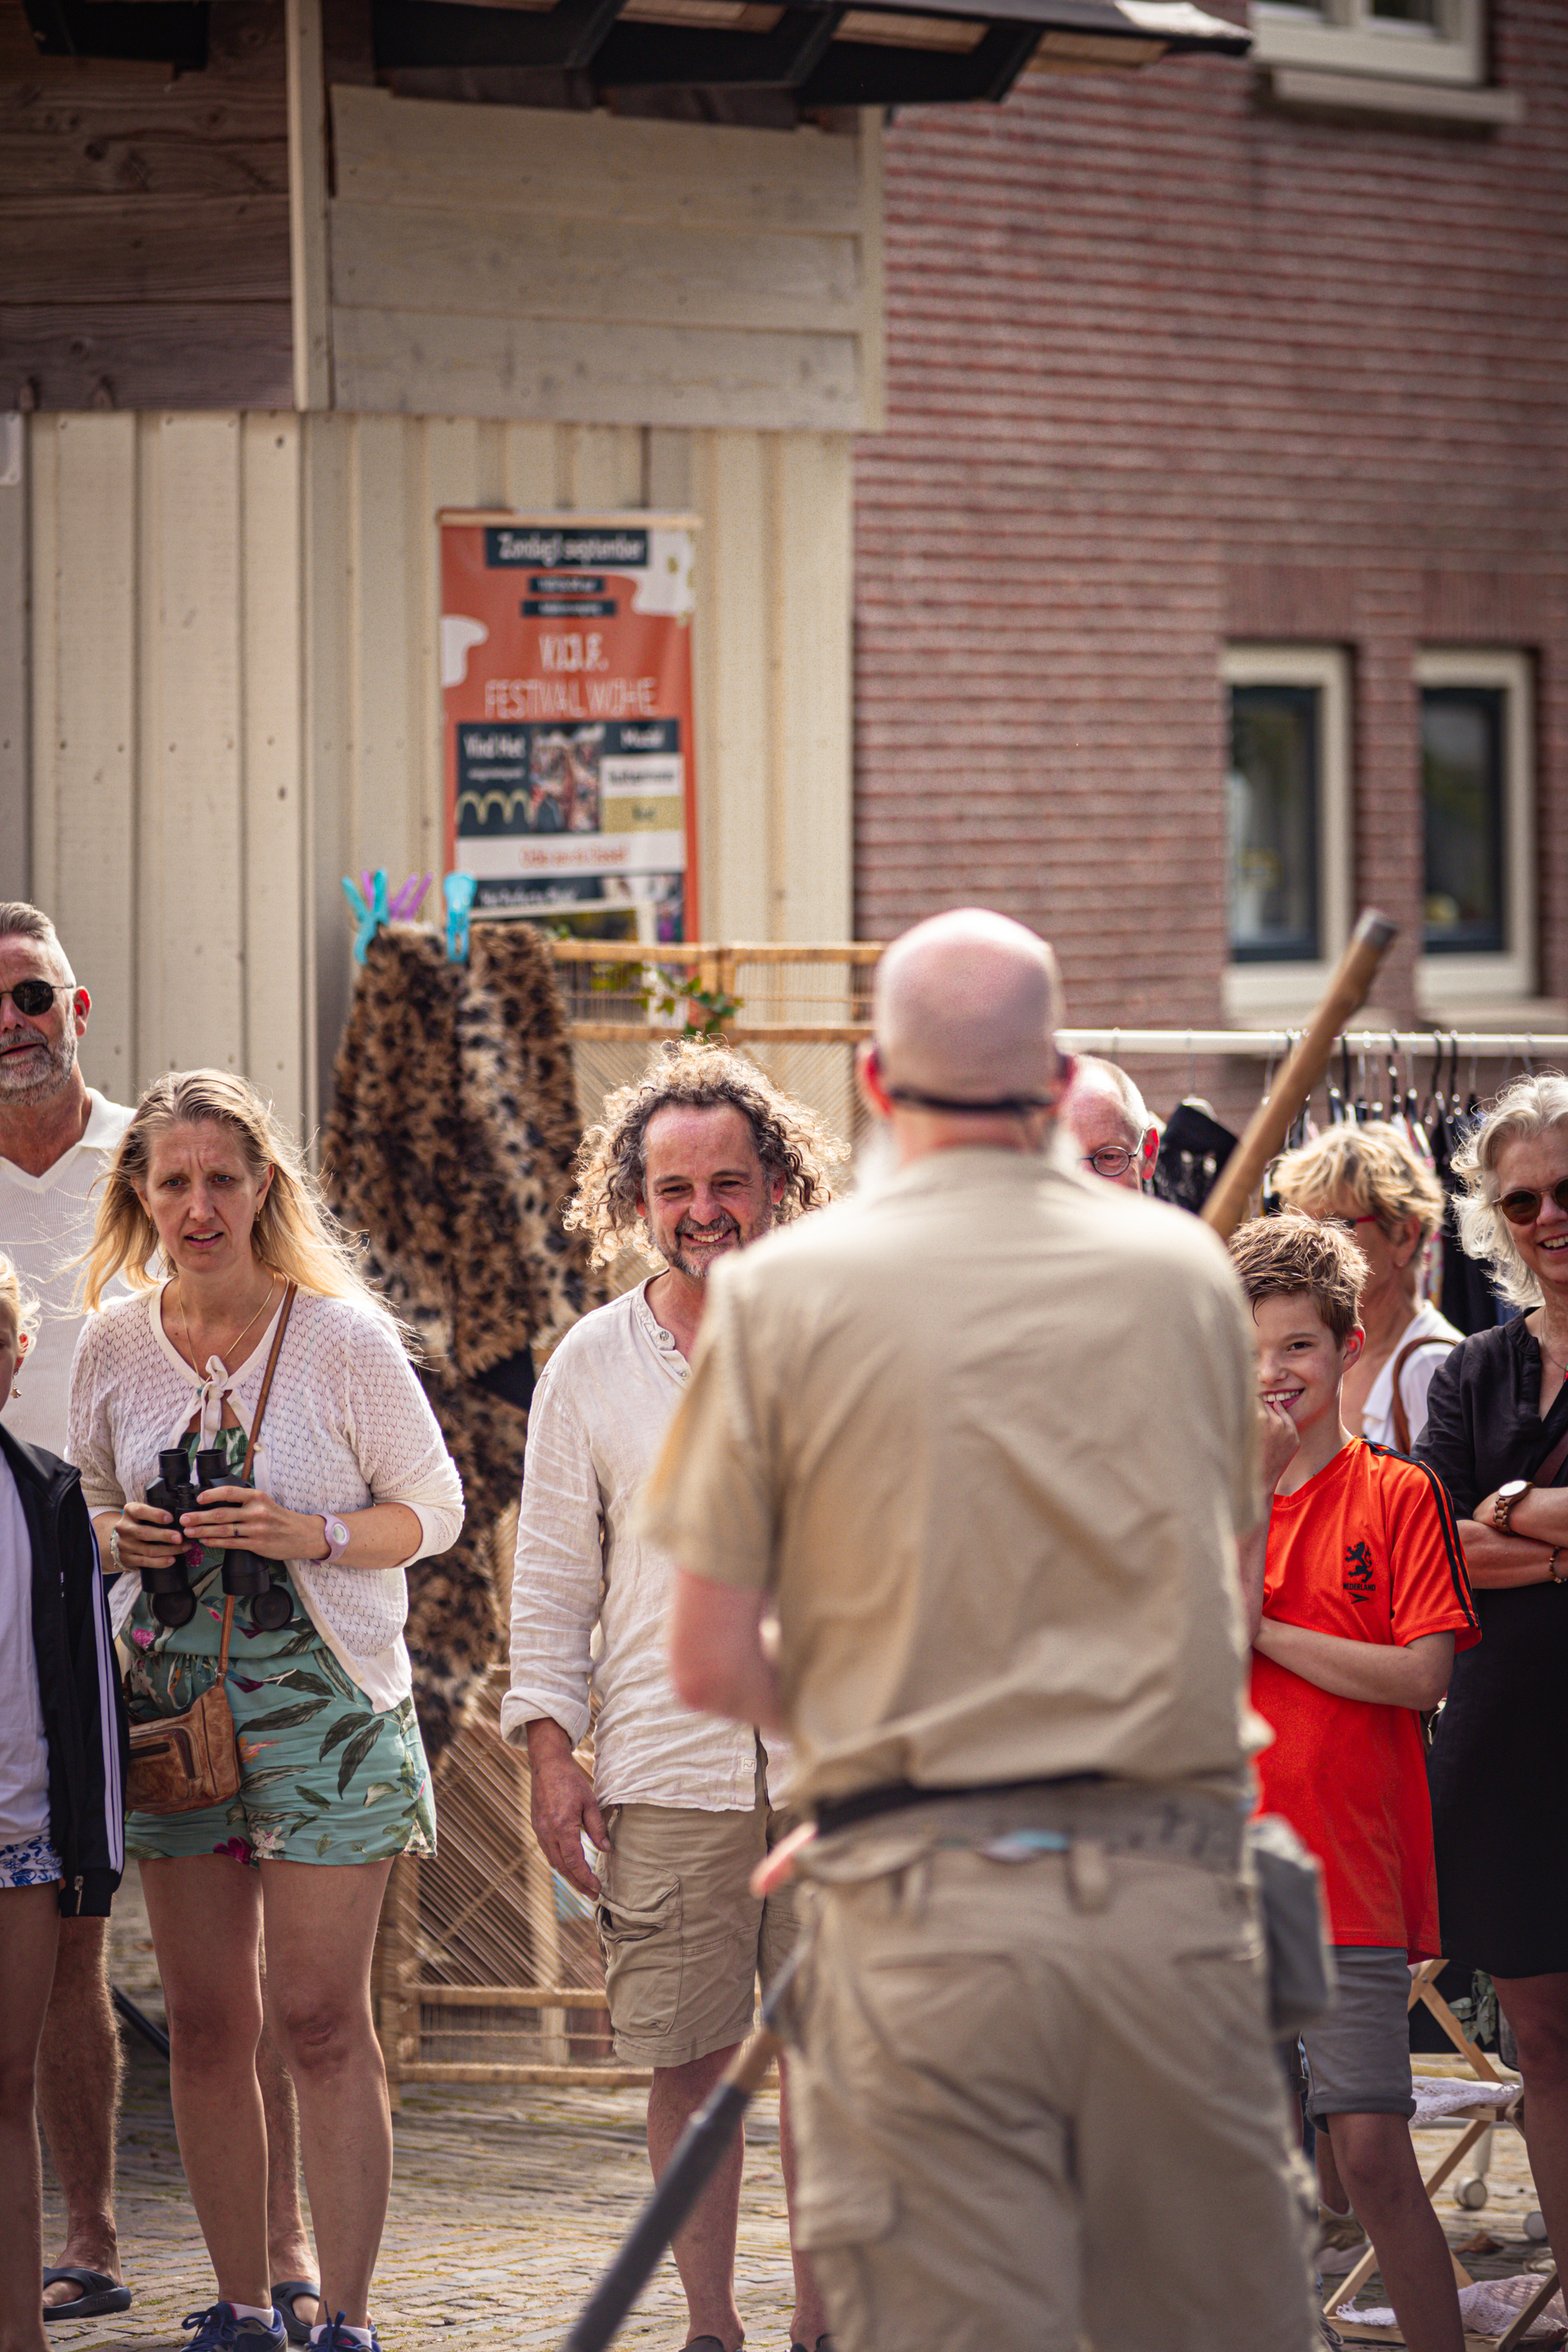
45, 1221
1414, 1379
24, 1750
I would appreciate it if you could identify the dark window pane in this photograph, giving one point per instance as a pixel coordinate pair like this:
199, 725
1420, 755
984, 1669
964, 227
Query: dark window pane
1462, 783
1406, 12
1275, 798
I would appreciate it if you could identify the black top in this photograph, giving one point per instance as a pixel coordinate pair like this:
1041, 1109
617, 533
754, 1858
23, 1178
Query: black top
78, 1682
1496, 1759
1483, 1415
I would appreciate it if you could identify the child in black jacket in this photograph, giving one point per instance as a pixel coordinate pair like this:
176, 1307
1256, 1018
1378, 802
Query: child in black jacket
62, 1788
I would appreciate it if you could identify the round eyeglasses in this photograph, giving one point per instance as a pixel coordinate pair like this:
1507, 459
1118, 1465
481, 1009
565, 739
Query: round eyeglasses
1522, 1207
1112, 1160
32, 997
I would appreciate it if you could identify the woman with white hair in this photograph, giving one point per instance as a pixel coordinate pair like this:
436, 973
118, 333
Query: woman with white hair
1497, 1436
1368, 1180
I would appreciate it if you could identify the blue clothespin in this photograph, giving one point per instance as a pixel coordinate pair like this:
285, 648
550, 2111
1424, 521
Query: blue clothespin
369, 908
457, 889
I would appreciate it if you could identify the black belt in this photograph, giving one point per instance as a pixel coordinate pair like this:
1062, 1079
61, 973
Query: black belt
898, 1796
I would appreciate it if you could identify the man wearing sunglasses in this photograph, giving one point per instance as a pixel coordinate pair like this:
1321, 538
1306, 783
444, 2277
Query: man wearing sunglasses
57, 1135
1117, 1138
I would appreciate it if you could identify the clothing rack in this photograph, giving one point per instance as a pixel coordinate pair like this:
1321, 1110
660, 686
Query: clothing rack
1259, 1044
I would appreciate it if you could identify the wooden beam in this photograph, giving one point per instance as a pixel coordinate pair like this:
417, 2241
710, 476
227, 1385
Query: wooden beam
183, 138
87, 355
424, 363
225, 249
307, 192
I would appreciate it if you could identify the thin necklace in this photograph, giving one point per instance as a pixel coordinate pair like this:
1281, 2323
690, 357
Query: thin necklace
190, 1343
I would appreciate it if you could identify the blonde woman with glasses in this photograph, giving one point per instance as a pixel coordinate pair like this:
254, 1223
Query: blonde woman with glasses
351, 1483
1368, 1180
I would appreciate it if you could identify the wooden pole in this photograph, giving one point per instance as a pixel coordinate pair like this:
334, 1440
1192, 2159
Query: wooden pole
1270, 1122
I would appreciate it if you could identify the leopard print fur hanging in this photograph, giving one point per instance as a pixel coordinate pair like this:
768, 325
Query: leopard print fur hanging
450, 1146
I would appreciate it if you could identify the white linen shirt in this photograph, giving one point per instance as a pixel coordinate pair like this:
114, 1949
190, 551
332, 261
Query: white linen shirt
347, 1424
45, 1222
590, 1596
1377, 1413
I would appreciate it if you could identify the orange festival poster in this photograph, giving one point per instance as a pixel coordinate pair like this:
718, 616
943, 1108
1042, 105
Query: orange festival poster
566, 687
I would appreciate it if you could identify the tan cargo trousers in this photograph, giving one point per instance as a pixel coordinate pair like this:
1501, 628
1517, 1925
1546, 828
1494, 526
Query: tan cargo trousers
1037, 2107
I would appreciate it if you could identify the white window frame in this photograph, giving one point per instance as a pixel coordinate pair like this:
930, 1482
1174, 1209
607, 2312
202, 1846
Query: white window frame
1451, 984
1346, 37
1271, 992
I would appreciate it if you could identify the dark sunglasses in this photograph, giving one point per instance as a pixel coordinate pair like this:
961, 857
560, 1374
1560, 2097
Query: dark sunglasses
32, 997
1522, 1207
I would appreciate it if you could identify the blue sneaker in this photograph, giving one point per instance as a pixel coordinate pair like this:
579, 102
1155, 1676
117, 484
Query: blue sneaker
334, 2337
220, 2330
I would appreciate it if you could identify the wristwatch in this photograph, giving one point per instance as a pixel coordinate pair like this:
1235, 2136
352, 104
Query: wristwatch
337, 1539
1508, 1495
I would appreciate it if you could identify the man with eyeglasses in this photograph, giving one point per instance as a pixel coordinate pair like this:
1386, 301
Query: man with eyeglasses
1116, 1136
57, 1135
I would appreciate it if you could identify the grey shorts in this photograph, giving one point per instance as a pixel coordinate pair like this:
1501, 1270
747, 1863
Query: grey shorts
1358, 2058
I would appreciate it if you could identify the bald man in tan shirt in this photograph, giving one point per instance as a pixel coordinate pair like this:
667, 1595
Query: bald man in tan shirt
984, 1440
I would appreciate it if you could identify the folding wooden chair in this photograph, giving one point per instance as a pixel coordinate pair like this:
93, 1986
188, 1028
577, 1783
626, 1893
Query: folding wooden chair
1424, 1989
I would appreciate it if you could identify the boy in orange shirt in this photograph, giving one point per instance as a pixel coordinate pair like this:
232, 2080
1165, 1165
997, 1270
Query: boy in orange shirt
1365, 1601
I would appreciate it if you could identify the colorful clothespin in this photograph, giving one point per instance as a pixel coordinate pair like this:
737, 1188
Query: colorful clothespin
457, 889
368, 904
406, 902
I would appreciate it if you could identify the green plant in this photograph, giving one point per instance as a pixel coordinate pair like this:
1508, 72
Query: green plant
655, 989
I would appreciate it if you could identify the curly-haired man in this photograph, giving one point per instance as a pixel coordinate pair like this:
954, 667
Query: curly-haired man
697, 1157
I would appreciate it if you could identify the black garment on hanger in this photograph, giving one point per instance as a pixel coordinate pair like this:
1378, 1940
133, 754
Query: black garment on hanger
1468, 1301
1193, 1150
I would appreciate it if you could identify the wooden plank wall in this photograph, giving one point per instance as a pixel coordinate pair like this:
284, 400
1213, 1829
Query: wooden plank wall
236, 698
144, 224
509, 262
168, 840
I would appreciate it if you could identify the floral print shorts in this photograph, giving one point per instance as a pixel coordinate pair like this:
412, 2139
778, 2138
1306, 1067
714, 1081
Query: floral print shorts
34, 1862
324, 1778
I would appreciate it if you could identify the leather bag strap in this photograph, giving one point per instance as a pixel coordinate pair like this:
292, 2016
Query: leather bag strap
289, 1297
1401, 1418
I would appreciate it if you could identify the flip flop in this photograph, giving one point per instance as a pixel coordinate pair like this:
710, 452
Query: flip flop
283, 2295
99, 2294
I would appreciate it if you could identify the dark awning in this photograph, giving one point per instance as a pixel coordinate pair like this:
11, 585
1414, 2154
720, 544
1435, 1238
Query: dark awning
823, 53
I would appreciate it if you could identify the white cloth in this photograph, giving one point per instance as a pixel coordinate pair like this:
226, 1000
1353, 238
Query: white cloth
346, 1425
45, 1221
1377, 1416
1487, 2308
24, 1750
1437, 2095
590, 1598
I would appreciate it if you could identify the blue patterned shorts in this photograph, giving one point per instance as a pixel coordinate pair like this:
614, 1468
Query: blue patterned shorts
34, 1862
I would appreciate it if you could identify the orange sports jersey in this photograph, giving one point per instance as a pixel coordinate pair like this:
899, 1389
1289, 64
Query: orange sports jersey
1368, 1550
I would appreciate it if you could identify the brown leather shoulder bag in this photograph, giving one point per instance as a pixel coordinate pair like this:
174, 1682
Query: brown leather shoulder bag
181, 1763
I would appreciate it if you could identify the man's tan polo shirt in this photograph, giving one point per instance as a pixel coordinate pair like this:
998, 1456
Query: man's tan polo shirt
988, 1438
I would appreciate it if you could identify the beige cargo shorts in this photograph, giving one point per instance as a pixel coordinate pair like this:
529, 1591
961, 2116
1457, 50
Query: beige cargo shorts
683, 1936
1036, 2104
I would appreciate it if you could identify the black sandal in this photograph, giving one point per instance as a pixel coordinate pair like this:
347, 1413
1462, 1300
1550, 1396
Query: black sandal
99, 2294
284, 2295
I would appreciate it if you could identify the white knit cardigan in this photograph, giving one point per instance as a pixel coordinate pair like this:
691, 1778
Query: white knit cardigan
346, 1425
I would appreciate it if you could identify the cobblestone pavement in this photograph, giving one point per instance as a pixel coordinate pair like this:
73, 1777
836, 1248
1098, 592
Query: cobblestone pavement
507, 2204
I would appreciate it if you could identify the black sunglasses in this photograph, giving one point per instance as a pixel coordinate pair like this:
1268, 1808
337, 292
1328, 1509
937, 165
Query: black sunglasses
1522, 1207
34, 996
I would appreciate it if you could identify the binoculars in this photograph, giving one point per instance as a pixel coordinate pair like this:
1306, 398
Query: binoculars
180, 1487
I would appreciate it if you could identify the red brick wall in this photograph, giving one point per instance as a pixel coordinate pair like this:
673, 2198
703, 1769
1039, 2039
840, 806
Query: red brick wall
1168, 365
